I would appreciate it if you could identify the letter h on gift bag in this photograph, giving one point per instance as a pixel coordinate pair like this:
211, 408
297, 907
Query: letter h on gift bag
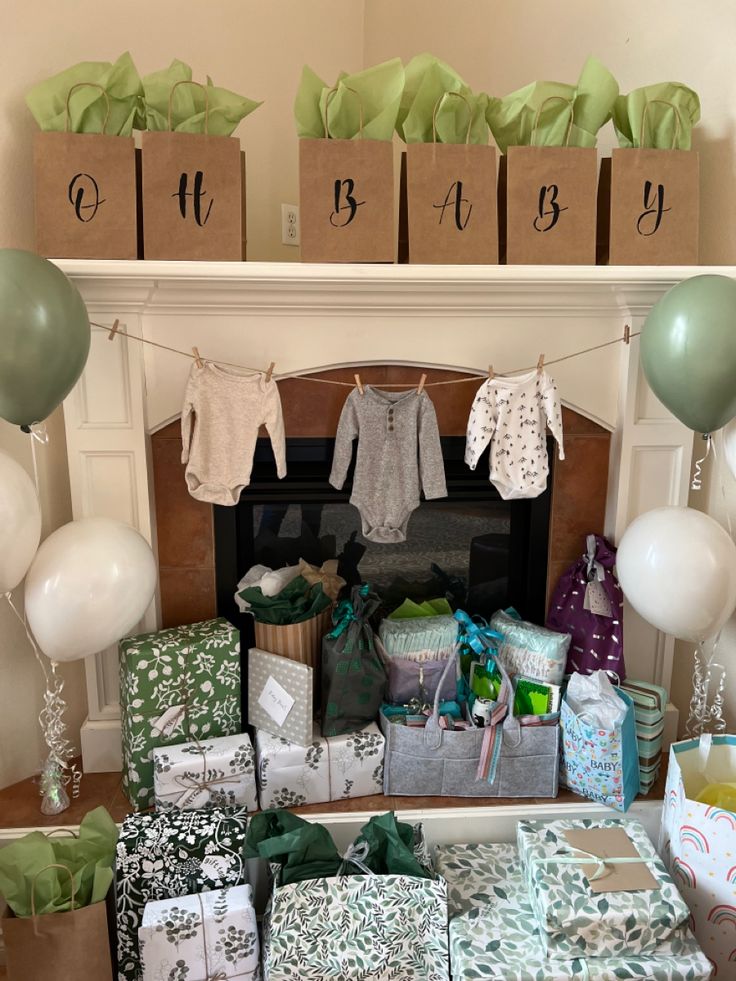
451, 199
655, 202
346, 197
193, 193
551, 201
85, 191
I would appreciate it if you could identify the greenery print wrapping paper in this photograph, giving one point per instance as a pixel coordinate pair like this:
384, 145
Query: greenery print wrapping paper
169, 855
221, 772
492, 931
201, 937
573, 920
175, 685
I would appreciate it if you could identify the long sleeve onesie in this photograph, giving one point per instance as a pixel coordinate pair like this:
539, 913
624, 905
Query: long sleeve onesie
513, 413
223, 411
399, 453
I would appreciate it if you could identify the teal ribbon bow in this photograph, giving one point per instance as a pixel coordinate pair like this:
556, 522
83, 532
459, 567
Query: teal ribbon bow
478, 636
345, 614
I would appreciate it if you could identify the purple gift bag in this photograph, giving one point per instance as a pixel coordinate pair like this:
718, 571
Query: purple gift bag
588, 603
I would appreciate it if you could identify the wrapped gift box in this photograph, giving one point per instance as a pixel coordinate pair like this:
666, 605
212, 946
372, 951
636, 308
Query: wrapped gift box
575, 920
367, 928
167, 855
328, 769
175, 685
492, 932
213, 934
219, 772
650, 704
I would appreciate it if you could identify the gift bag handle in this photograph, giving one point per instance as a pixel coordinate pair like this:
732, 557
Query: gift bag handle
330, 95
189, 81
678, 122
64, 868
553, 98
438, 103
94, 85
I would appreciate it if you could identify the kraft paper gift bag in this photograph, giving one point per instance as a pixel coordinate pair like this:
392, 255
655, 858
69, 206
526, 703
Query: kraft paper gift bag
85, 191
655, 179
697, 841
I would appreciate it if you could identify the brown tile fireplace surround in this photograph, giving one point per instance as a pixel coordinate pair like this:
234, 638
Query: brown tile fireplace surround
186, 549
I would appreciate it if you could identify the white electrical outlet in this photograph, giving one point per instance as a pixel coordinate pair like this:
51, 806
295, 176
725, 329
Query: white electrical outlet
290, 224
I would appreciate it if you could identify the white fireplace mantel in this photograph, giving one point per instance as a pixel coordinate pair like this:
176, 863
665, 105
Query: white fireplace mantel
308, 316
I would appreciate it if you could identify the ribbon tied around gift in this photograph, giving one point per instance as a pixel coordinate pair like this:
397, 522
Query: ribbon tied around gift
356, 855
478, 636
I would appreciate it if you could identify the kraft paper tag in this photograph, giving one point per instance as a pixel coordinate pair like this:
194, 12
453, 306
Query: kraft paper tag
166, 723
596, 600
611, 843
276, 701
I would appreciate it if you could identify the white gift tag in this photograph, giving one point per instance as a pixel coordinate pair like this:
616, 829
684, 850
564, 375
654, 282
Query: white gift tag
596, 599
276, 701
166, 723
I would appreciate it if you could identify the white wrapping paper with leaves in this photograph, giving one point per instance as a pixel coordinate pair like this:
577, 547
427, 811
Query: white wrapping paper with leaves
219, 772
328, 769
201, 937
576, 921
492, 933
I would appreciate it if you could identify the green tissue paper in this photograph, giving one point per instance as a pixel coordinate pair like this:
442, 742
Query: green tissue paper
88, 857
297, 601
370, 98
88, 106
539, 113
433, 85
667, 123
225, 109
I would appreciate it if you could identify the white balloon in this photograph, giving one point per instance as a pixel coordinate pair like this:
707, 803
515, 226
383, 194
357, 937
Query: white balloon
729, 445
677, 568
89, 585
20, 523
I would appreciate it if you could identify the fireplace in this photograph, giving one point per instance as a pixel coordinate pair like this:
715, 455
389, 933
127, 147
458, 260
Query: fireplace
480, 551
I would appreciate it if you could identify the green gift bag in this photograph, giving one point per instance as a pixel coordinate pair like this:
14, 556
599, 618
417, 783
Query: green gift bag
176, 685
353, 674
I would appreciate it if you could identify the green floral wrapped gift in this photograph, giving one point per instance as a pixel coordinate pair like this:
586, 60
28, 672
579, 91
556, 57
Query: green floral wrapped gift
493, 935
176, 685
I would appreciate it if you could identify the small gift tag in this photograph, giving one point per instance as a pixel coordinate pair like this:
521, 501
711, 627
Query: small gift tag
611, 843
276, 701
596, 599
166, 723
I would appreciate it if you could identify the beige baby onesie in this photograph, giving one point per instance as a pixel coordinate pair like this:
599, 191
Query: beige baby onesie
223, 411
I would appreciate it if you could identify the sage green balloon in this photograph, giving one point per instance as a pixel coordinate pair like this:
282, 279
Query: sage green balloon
44, 337
688, 351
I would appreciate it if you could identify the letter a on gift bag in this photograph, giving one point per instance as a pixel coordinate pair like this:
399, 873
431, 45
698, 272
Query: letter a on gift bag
551, 202
193, 194
698, 843
346, 198
654, 202
451, 200
84, 192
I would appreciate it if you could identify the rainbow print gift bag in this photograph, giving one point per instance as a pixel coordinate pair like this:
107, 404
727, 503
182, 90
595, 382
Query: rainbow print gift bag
602, 764
698, 843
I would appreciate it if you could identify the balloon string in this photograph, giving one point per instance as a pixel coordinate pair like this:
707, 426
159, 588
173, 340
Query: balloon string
719, 470
697, 481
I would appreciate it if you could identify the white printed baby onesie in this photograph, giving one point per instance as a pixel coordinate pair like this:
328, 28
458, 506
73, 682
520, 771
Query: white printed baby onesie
513, 413
223, 411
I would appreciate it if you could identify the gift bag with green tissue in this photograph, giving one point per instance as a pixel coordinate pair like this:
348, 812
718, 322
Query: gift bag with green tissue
655, 177
55, 887
84, 160
193, 170
449, 186
548, 131
346, 182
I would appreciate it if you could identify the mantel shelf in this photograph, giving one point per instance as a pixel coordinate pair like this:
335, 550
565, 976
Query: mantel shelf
280, 287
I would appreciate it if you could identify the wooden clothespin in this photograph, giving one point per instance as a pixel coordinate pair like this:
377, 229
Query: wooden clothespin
627, 334
491, 373
113, 332
540, 364
422, 380
197, 359
269, 373
359, 384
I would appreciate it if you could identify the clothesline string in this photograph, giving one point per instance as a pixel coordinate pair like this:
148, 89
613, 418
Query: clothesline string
113, 331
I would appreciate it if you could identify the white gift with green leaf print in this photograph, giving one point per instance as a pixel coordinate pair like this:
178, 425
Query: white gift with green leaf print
219, 772
493, 934
573, 920
200, 937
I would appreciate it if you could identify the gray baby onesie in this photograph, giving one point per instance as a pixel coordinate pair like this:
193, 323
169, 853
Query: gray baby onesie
398, 452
